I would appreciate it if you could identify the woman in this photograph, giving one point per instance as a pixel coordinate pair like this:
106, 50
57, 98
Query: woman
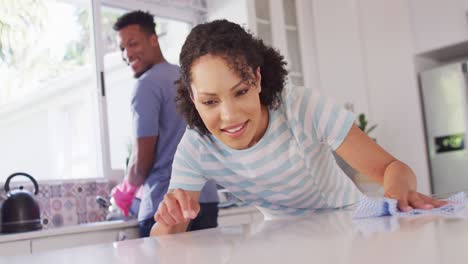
270, 146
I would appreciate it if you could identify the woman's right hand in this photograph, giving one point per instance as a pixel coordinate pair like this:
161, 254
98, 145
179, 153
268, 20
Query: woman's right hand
177, 208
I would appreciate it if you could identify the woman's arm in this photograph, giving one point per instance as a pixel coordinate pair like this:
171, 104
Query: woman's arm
398, 180
175, 212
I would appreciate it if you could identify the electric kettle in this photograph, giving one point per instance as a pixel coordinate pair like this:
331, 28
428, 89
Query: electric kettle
20, 212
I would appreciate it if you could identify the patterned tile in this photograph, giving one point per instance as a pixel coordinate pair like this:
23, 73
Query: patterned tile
93, 216
56, 190
79, 190
69, 213
90, 188
82, 219
102, 214
69, 203
102, 188
68, 190
81, 204
91, 203
97, 214
44, 190
70, 219
57, 220
56, 205
44, 205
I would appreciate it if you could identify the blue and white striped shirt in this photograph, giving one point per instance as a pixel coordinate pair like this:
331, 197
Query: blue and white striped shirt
290, 171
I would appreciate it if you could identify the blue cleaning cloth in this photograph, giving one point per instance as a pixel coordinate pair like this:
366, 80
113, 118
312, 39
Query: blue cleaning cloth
375, 207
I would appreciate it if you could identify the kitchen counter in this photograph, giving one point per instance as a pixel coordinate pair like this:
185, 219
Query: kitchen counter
328, 237
104, 225
89, 227
235, 210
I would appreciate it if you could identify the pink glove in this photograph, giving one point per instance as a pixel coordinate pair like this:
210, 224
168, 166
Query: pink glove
123, 195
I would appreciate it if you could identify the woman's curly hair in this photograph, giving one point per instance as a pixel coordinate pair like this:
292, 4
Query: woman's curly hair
243, 53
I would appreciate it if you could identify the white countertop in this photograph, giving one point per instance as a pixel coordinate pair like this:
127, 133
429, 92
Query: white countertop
330, 237
89, 227
234, 210
104, 225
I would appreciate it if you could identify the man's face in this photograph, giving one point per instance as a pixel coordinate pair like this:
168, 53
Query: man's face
138, 48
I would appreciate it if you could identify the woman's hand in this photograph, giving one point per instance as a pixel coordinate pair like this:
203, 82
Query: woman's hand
398, 180
175, 212
399, 183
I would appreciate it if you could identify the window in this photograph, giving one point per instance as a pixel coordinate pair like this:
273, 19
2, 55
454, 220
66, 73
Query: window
120, 82
51, 107
47, 92
292, 42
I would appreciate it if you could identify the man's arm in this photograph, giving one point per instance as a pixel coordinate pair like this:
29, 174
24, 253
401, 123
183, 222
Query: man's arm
142, 160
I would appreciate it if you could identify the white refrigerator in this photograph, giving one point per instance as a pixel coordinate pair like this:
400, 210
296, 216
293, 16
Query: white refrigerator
444, 99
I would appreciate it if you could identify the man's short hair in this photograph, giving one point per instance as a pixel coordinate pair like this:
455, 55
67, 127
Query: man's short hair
144, 19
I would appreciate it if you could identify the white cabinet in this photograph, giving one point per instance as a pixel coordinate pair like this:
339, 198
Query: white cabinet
82, 239
102, 232
21, 247
438, 23
340, 52
320, 40
276, 23
67, 237
282, 24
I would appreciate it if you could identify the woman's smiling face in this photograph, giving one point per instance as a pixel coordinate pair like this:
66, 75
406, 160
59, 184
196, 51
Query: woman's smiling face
229, 106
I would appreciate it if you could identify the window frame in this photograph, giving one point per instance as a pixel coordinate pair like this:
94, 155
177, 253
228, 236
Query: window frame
157, 9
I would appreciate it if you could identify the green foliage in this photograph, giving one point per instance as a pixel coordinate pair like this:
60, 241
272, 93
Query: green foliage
110, 43
77, 51
25, 31
362, 124
20, 21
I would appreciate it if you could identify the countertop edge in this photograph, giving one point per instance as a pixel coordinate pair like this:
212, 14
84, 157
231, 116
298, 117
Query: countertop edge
88, 227
237, 210
104, 225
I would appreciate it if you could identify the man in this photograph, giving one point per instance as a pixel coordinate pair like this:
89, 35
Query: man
157, 126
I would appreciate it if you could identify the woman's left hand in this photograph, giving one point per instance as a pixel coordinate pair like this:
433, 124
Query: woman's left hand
401, 187
397, 178
415, 200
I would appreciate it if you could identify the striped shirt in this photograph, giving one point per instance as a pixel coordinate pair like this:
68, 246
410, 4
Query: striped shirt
290, 171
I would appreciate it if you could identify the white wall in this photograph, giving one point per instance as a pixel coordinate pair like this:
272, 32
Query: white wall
339, 52
365, 56
232, 10
393, 90
308, 43
438, 24
363, 52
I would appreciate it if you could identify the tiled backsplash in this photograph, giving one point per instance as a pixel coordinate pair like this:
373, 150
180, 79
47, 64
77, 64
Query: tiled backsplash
64, 204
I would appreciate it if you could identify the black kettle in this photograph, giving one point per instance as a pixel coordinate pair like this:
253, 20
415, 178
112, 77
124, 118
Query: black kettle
20, 211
